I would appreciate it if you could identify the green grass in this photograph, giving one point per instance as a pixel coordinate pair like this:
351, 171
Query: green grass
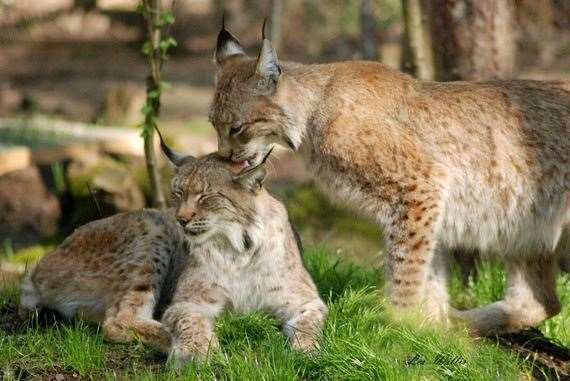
360, 341
311, 209
30, 254
319, 220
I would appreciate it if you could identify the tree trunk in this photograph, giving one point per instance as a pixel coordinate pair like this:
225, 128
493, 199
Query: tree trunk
474, 39
275, 10
417, 57
368, 30
535, 22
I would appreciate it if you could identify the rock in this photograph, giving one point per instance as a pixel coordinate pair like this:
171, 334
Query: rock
10, 98
28, 209
102, 189
13, 158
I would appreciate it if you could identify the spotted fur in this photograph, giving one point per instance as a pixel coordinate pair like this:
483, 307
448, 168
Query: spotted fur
112, 271
244, 258
476, 165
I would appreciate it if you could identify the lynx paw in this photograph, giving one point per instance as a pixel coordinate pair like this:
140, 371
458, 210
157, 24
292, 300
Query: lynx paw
305, 343
181, 355
178, 358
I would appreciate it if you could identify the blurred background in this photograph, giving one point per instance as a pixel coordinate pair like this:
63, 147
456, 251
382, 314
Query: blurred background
72, 86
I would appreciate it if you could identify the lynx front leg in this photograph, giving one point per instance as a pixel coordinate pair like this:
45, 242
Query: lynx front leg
303, 325
192, 328
193, 337
413, 240
530, 298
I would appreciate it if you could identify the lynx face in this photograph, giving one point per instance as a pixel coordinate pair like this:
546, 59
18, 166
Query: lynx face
212, 200
246, 116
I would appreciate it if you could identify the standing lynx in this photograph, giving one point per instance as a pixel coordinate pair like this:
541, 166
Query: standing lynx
478, 165
244, 257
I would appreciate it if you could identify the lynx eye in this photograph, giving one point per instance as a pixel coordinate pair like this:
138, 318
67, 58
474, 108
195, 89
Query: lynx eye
237, 130
178, 194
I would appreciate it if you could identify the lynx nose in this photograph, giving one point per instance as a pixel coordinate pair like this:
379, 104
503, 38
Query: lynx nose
184, 217
182, 221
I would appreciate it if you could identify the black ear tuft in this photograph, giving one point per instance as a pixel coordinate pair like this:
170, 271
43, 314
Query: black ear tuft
263, 29
227, 45
175, 158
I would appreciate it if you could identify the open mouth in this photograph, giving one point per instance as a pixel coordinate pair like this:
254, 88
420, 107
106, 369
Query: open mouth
242, 163
238, 166
251, 160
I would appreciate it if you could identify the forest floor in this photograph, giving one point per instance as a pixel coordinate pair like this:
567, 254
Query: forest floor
361, 340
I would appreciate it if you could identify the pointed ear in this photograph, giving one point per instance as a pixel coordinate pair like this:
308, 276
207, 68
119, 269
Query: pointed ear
267, 67
252, 178
175, 158
227, 46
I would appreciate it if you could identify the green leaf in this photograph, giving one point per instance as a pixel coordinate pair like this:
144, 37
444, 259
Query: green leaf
153, 94
141, 9
167, 43
146, 109
147, 48
167, 18
172, 42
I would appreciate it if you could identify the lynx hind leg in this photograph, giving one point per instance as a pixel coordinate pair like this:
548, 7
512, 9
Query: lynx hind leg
530, 299
131, 319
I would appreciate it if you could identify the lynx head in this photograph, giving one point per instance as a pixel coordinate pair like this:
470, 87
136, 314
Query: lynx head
245, 112
214, 198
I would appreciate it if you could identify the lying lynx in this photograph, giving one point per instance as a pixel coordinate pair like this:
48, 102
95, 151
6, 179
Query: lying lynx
439, 165
244, 256
112, 271
228, 244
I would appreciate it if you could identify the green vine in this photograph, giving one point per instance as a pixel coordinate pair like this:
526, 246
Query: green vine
155, 48
156, 51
